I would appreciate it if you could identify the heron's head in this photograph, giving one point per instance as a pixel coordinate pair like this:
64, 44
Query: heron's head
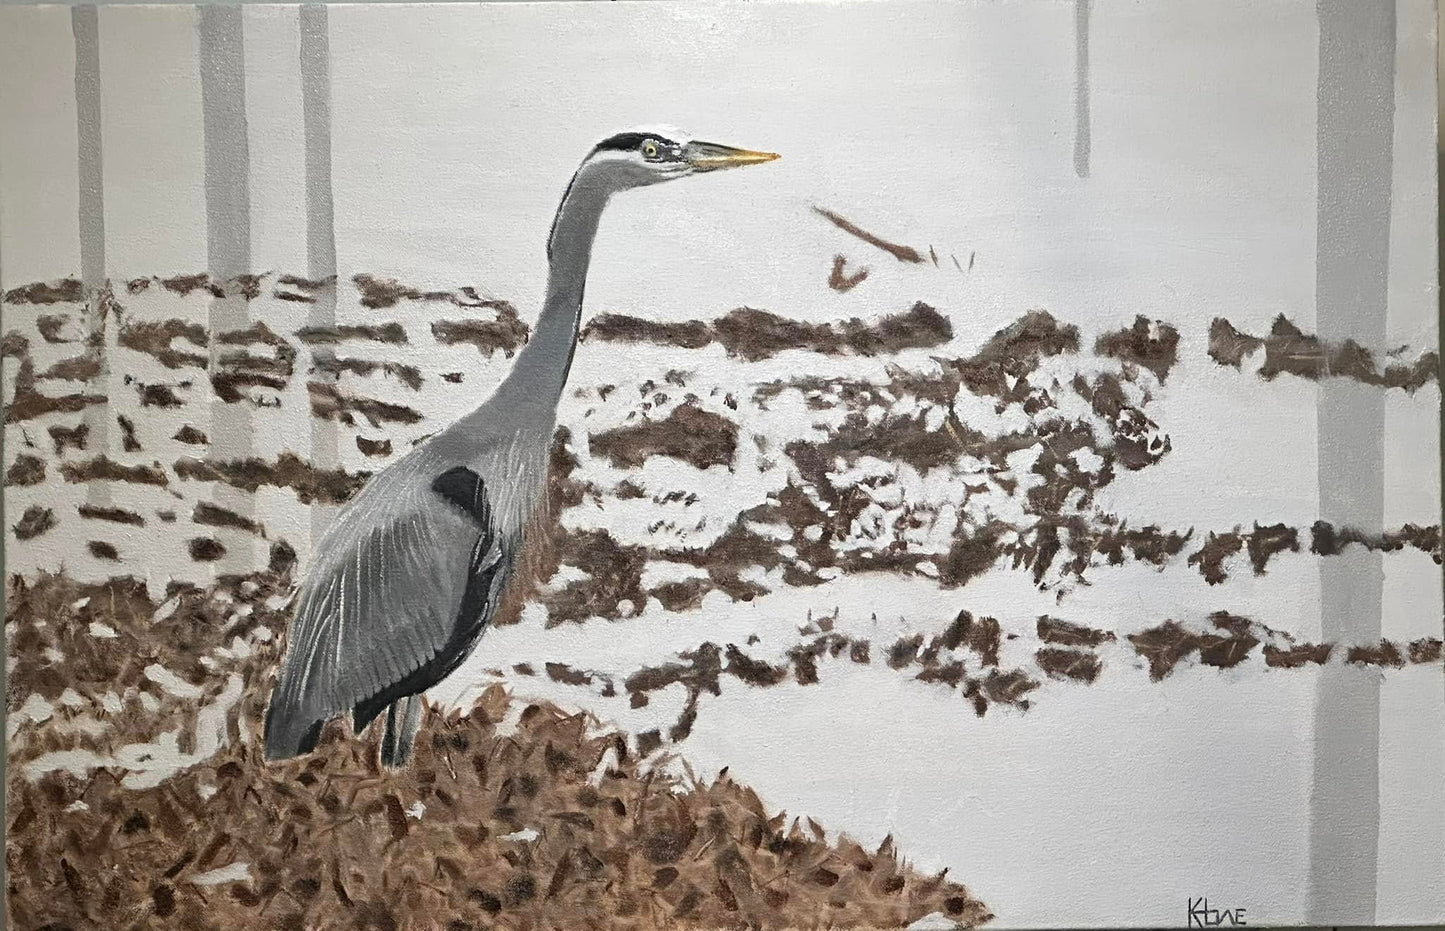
648, 156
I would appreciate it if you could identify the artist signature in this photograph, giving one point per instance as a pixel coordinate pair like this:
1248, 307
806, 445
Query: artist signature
1200, 915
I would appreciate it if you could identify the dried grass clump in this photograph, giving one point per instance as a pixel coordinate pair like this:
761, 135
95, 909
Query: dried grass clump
545, 822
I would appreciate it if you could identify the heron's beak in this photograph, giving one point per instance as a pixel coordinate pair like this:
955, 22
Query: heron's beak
709, 156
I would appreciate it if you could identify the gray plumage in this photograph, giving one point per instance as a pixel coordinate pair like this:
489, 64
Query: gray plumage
405, 581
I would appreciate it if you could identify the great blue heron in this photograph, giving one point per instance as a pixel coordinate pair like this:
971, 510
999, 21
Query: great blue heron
413, 569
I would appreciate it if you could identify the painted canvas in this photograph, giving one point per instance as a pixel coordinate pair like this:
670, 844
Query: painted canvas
721, 465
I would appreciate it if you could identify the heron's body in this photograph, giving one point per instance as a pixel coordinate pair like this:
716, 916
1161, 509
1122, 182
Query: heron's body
415, 566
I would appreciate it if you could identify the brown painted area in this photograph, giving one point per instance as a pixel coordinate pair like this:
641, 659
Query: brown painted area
35, 521
1425, 650
1385, 654
25, 470
1079, 665
185, 284
75, 368
1295, 656
189, 434
693, 334
63, 438
1265, 542
114, 515
103, 469
901, 253
326, 486
373, 447
1328, 540
506, 333
1211, 556
408, 375
1064, 633
29, 403
157, 339
100, 549
14, 345
215, 516
841, 282
158, 395
205, 549
1163, 647
50, 327
630, 846
331, 403
689, 433
127, 429
754, 335
391, 332
1289, 350
1140, 345
64, 291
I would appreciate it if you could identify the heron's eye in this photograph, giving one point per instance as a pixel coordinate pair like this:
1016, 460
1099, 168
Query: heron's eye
649, 149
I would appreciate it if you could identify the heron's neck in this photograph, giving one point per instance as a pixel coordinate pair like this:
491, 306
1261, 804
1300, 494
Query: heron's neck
541, 369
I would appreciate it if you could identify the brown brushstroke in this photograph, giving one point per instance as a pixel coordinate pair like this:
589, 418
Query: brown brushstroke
1163, 647
14, 345
114, 515
1211, 556
1384, 654
1295, 656
127, 434
63, 438
157, 338
901, 253
36, 520
157, 395
103, 469
185, 284
391, 332
50, 326
698, 437
189, 434
1425, 650
1058, 663
692, 334
1138, 344
1064, 633
25, 470
330, 403
408, 375
101, 549
1265, 542
506, 333
1328, 540
63, 291
754, 335
1289, 350
373, 447
216, 516
75, 368
205, 549
333, 486
842, 283
28, 403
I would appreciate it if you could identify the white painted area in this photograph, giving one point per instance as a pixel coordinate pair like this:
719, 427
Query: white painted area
230, 873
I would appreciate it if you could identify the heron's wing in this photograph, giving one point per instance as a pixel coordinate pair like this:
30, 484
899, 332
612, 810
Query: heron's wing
388, 593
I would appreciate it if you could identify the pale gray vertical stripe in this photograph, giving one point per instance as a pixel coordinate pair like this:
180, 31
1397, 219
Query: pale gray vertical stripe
85, 24
1355, 135
320, 220
1082, 140
228, 237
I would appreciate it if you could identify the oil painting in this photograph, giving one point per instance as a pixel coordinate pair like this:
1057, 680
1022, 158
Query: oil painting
721, 465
